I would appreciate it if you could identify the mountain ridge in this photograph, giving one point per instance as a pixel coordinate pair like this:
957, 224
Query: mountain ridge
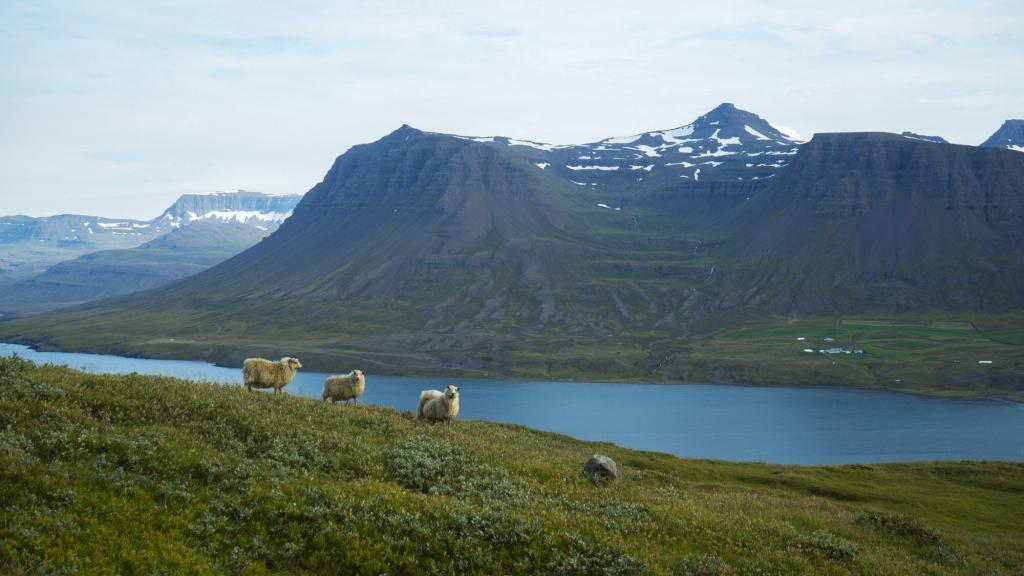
727, 147
81, 268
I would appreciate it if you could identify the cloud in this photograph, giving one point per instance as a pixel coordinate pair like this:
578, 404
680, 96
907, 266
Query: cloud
118, 107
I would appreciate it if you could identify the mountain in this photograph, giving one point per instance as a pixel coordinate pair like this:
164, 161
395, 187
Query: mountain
429, 252
240, 206
117, 257
725, 146
179, 253
29, 245
873, 221
1010, 135
922, 137
414, 211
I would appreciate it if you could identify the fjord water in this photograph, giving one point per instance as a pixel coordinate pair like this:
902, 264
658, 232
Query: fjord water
779, 425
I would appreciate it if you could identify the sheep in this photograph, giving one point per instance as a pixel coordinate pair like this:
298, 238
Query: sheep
437, 406
347, 387
261, 373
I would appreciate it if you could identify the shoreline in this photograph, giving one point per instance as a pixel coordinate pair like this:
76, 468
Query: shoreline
960, 398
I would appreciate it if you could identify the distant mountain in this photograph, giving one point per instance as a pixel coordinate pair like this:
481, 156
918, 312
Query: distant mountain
62, 260
433, 252
240, 206
922, 137
29, 245
177, 254
1010, 135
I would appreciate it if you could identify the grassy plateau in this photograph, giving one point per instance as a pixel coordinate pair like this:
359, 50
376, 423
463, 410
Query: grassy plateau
129, 474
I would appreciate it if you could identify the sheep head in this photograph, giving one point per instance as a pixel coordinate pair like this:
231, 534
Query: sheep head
292, 363
451, 392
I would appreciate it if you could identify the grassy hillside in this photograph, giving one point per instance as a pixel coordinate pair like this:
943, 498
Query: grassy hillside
132, 474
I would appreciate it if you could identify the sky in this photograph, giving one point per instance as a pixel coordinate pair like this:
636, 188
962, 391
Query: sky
116, 108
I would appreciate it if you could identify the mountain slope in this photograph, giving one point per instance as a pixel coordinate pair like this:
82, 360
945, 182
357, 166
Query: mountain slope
870, 221
177, 254
1010, 135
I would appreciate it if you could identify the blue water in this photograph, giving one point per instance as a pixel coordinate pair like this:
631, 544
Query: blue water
782, 425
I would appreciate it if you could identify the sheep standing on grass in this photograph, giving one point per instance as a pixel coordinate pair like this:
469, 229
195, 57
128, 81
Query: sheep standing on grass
437, 406
261, 373
347, 387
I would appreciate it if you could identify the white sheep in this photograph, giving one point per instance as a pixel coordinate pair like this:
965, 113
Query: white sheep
261, 373
347, 387
437, 406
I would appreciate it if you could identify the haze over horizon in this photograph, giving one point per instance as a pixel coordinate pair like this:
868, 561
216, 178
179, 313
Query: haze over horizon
117, 109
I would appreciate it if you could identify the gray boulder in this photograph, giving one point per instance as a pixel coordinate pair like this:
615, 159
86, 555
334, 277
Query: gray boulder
601, 470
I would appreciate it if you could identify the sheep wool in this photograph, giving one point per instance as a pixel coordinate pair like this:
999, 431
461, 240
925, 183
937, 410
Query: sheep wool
262, 373
437, 406
344, 387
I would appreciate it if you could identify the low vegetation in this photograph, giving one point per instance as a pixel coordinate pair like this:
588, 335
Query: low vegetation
919, 355
150, 475
935, 356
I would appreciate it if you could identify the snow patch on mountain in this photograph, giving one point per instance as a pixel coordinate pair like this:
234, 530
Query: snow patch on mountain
755, 133
591, 167
727, 136
790, 134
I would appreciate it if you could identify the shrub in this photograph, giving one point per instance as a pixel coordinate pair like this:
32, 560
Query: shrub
300, 453
13, 385
14, 366
830, 545
16, 447
585, 558
701, 565
898, 525
438, 467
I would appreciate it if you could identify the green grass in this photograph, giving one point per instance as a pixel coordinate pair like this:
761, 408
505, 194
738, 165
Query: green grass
143, 475
936, 357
